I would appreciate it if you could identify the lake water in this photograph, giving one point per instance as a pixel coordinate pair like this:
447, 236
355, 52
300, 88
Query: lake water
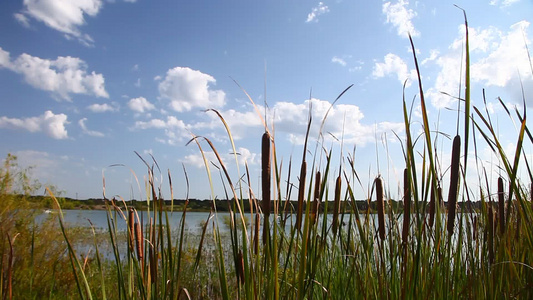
81, 218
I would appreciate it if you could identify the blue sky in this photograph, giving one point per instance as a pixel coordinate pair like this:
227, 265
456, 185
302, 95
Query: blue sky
86, 83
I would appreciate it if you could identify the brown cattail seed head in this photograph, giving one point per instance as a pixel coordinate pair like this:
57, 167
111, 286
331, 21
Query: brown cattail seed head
316, 197
501, 206
337, 205
240, 267
265, 177
139, 242
131, 220
454, 183
381, 207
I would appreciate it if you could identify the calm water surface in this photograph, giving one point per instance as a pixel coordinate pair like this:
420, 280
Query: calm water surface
81, 218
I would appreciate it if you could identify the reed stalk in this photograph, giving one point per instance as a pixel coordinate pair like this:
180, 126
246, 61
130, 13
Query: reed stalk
406, 206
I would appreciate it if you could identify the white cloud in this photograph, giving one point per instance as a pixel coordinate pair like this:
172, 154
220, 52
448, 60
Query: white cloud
317, 11
357, 67
100, 108
291, 118
5, 60
22, 19
244, 155
65, 16
400, 17
51, 124
63, 76
393, 64
186, 89
140, 105
507, 59
240, 123
197, 160
339, 61
137, 83
43, 165
81, 122
504, 3
497, 59
433, 54
175, 130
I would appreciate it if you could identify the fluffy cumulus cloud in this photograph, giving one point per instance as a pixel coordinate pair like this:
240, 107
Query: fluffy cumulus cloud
498, 59
241, 123
197, 160
86, 131
290, 121
140, 105
291, 118
506, 57
101, 108
63, 76
317, 11
393, 65
65, 16
186, 89
400, 16
175, 130
5, 60
51, 124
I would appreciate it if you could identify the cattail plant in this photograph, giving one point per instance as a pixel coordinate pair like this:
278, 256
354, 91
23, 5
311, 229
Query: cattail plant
501, 206
131, 222
139, 242
454, 183
265, 179
381, 206
336, 205
240, 268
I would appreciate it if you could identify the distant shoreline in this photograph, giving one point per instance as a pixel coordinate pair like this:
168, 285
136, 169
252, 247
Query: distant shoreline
196, 205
